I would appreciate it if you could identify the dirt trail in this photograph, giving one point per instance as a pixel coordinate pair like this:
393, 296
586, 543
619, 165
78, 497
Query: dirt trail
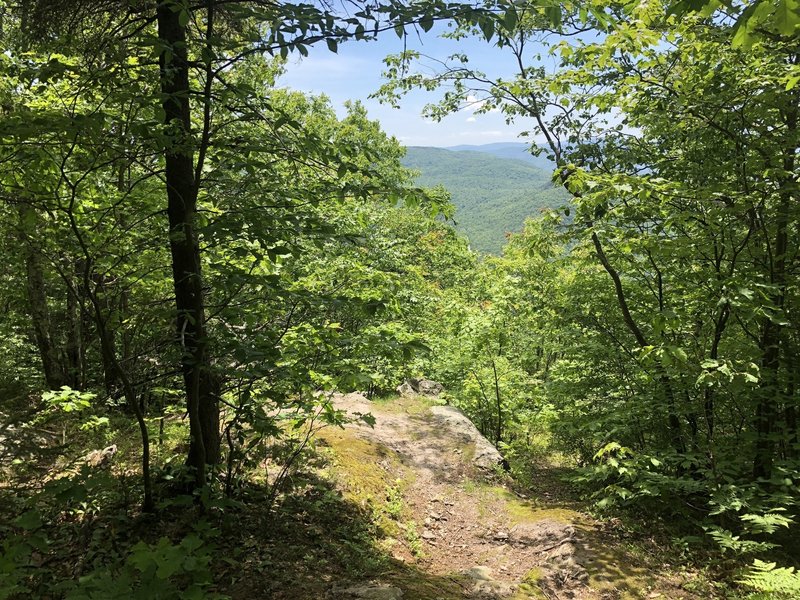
469, 528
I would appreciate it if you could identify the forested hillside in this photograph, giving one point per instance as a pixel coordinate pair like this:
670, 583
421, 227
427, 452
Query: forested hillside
512, 150
493, 195
244, 353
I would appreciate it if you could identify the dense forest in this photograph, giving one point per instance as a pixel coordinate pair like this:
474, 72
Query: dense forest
492, 195
212, 288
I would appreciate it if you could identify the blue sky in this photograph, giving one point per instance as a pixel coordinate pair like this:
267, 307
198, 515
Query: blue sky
355, 73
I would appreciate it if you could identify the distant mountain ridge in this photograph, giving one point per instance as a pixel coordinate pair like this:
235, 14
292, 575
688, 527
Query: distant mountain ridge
513, 150
493, 191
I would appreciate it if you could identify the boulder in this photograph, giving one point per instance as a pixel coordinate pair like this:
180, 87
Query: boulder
423, 387
405, 389
374, 592
546, 533
486, 455
485, 587
426, 387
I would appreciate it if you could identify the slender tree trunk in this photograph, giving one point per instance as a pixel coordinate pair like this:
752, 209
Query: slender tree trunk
201, 399
74, 340
110, 375
37, 304
673, 422
770, 393
499, 404
129, 391
790, 411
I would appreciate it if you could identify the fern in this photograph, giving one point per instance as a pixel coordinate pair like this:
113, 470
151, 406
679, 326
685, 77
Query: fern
768, 578
766, 523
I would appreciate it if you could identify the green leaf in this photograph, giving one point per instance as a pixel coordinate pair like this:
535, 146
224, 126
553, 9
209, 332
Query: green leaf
426, 23
183, 17
487, 27
510, 20
553, 13
29, 520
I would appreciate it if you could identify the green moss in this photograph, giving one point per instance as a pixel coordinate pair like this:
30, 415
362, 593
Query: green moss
612, 570
410, 405
419, 585
355, 462
493, 497
529, 587
372, 477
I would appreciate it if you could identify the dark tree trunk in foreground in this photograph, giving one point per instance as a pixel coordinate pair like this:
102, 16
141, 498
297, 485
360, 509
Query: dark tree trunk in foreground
202, 402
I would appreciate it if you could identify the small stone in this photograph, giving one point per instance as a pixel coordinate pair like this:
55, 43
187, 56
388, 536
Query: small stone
501, 535
428, 535
436, 516
479, 573
100, 458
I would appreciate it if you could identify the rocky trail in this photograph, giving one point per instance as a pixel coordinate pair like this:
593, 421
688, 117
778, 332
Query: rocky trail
449, 516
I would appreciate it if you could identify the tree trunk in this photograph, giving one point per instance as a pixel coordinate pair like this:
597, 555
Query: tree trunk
498, 435
37, 304
771, 390
768, 395
202, 402
673, 422
74, 349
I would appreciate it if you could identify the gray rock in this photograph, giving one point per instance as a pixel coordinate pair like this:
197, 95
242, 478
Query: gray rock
405, 389
428, 535
424, 387
373, 592
100, 458
545, 534
479, 573
485, 585
492, 590
486, 455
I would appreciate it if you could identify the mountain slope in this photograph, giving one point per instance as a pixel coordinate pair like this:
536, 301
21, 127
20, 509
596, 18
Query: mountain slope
514, 150
493, 195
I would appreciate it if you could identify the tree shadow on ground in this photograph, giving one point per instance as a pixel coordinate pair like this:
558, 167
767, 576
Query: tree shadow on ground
317, 544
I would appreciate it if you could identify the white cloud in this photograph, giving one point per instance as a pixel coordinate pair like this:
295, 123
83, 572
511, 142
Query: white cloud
472, 104
471, 120
491, 133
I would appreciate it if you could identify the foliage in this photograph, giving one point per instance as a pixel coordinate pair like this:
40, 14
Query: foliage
160, 570
772, 581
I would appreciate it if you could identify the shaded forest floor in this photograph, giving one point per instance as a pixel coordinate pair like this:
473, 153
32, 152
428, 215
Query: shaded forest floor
400, 510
